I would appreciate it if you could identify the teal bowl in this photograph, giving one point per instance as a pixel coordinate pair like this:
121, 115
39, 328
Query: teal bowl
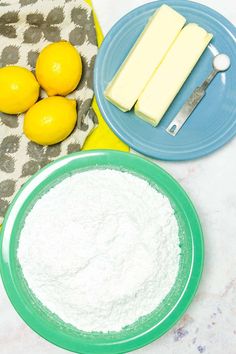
147, 328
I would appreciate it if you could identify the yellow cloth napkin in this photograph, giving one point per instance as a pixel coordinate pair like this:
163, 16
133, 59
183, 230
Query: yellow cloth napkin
102, 137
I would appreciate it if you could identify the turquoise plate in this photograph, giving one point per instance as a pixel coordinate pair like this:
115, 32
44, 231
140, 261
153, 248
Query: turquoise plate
146, 329
212, 124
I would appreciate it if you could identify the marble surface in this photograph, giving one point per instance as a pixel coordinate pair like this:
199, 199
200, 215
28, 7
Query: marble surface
209, 326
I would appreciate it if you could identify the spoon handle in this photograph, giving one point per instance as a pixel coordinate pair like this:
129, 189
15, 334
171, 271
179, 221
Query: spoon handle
185, 111
209, 79
190, 105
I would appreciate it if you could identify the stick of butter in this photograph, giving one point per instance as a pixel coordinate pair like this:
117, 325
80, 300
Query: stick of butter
169, 77
147, 53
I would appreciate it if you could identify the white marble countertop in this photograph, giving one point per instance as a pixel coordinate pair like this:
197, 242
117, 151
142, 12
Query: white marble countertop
209, 326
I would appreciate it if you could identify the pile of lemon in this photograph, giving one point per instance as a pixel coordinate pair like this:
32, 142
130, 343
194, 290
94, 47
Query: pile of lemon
58, 72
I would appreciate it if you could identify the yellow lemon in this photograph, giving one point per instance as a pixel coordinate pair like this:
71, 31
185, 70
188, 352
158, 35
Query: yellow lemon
50, 120
59, 68
19, 89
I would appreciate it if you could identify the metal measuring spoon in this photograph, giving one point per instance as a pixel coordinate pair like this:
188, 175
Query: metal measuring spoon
221, 62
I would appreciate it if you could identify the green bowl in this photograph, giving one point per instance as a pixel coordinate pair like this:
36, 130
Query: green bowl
146, 329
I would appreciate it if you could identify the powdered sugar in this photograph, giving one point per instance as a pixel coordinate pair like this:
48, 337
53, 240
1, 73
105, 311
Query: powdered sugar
100, 249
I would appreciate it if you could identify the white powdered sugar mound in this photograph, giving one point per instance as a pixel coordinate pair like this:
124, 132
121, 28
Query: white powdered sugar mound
100, 249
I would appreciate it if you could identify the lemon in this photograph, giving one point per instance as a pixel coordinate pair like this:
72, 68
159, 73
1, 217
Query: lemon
19, 89
59, 68
50, 120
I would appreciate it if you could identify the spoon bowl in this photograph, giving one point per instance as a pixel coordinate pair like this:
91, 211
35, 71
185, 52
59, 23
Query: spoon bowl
221, 62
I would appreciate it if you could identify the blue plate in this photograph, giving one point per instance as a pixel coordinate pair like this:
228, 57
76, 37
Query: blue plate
212, 124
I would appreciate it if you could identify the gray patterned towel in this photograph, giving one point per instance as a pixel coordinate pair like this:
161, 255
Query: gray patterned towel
26, 26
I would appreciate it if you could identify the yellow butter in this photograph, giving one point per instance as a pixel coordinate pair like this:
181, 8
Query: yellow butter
147, 53
169, 77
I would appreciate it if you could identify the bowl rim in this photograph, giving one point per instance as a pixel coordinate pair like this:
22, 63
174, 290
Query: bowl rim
120, 346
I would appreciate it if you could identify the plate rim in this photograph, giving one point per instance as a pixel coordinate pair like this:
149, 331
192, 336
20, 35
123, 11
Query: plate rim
222, 140
146, 337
